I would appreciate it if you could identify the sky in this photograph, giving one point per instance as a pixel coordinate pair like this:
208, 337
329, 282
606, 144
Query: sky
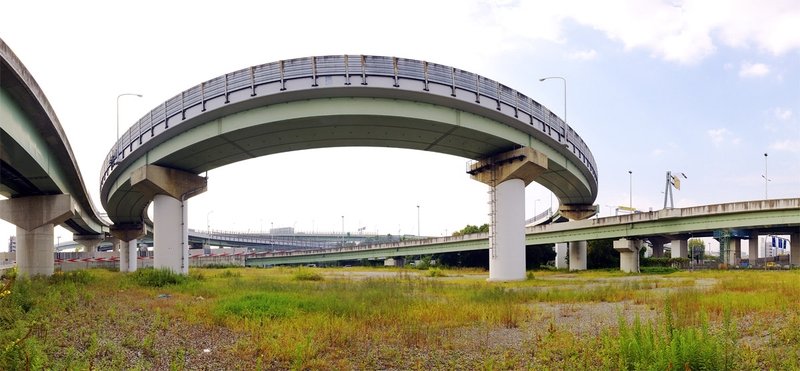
701, 87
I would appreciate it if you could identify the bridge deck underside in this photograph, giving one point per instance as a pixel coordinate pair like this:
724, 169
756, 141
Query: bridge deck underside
340, 122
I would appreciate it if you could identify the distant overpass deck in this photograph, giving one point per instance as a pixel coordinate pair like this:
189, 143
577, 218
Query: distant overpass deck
774, 216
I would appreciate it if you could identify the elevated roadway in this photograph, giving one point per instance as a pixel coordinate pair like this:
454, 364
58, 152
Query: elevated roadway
38, 171
334, 101
751, 218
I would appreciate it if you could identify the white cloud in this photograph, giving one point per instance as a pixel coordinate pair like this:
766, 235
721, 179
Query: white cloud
585, 55
788, 145
748, 69
722, 136
682, 31
783, 114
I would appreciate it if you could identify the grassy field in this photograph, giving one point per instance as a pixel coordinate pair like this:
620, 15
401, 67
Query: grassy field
353, 318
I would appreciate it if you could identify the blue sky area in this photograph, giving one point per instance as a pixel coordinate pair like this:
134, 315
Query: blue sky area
695, 86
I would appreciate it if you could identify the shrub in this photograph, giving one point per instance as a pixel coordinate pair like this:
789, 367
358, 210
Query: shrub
79, 276
307, 275
436, 273
157, 277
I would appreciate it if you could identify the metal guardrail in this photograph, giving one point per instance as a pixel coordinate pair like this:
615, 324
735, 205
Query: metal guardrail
435, 79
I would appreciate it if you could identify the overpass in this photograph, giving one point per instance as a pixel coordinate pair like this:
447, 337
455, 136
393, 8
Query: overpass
39, 175
730, 222
332, 101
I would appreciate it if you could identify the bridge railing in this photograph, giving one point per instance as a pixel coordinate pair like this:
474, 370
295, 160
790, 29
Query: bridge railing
356, 70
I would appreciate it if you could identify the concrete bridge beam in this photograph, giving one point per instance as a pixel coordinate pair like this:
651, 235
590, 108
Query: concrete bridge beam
35, 218
577, 255
507, 174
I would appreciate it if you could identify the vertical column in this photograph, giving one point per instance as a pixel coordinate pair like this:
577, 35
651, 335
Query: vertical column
628, 254
752, 244
561, 256
794, 250
35, 251
680, 248
735, 251
124, 254
170, 237
577, 256
133, 253
89, 243
658, 250
507, 261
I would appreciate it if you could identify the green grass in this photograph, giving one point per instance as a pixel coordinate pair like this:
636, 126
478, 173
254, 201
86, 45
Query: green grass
290, 318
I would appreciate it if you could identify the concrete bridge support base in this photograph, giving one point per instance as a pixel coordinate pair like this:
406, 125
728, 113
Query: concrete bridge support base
35, 218
128, 255
680, 248
507, 260
507, 174
169, 189
628, 254
89, 243
577, 255
35, 251
794, 249
170, 234
752, 249
734, 251
561, 256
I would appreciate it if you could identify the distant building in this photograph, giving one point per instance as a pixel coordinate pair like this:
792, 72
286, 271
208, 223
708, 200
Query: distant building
12, 244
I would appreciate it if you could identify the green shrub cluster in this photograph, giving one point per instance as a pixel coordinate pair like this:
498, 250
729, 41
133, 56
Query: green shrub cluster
663, 346
307, 275
151, 277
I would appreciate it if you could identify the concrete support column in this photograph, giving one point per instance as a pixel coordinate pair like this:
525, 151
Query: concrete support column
752, 244
658, 250
507, 258
577, 255
169, 189
35, 251
628, 254
170, 235
35, 217
124, 254
680, 248
734, 251
794, 250
507, 174
561, 256
89, 243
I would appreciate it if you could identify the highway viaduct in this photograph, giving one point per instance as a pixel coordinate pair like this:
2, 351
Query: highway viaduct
288, 105
344, 100
730, 222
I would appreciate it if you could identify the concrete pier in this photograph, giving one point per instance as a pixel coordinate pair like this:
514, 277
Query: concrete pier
35, 218
628, 254
577, 255
752, 250
561, 256
679, 248
507, 174
170, 190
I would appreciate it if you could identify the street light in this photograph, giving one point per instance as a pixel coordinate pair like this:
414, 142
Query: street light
120, 96
534, 207
342, 230
208, 221
766, 178
630, 173
419, 234
565, 93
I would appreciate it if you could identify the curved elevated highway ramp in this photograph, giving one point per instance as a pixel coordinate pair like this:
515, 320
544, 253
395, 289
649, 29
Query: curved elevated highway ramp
38, 172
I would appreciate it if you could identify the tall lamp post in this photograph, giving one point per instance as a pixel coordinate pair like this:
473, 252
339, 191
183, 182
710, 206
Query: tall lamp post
630, 173
120, 96
766, 178
565, 92
419, 234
